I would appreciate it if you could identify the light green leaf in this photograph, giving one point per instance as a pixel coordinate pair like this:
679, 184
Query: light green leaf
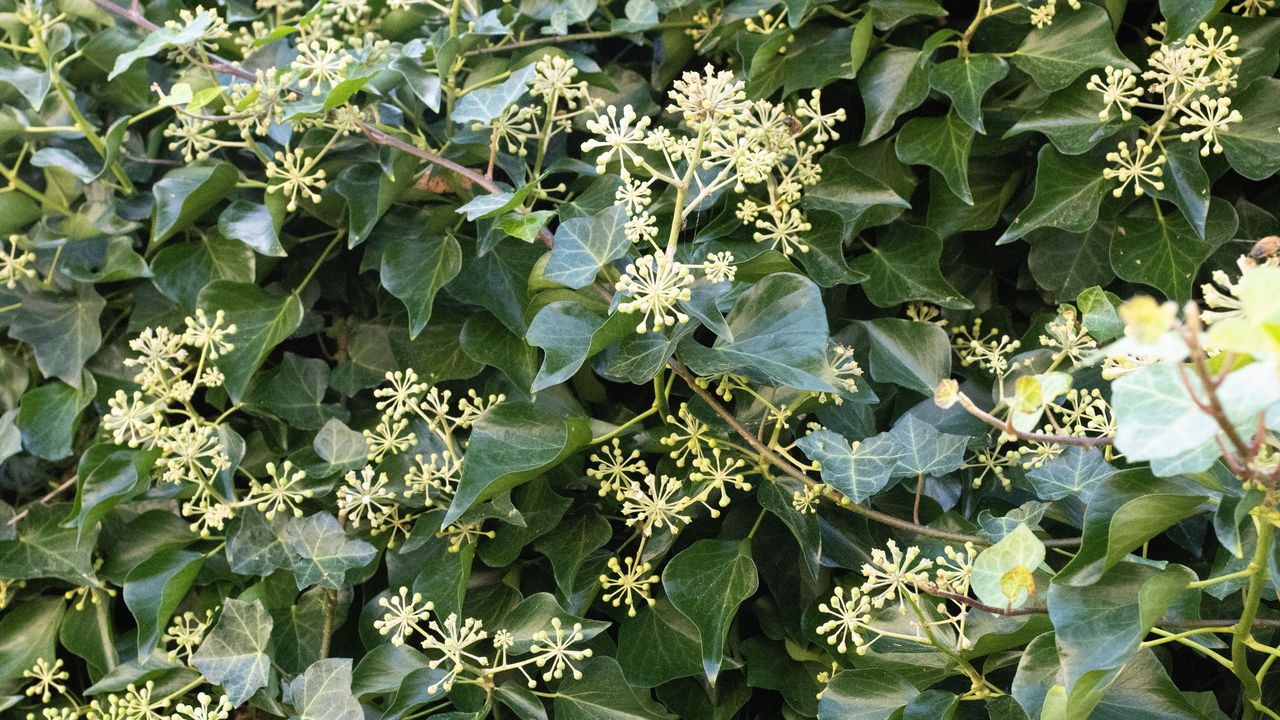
184, 194
33, 85
1067, 196
322, 551
511, 443
339, 445
154, 589
777, 328
1165, 252
234, 654
706, 582
858, 470
1076, 41
865, 694
323, 692
262, 321
180, 35
966, 80
911, 354
584, 245
258, 546
903, 266
63, 330
414, 269
942, 144
1002, 573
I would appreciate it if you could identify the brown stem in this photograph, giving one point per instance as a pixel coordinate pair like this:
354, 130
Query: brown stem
69, 482
995, 422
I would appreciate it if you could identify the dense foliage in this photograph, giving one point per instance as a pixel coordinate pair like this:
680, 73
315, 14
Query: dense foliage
668, 358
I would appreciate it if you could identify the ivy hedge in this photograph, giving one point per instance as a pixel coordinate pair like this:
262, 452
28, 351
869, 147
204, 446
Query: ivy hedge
463, 359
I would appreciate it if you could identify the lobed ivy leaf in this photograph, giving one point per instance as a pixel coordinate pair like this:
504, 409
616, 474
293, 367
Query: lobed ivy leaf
235, 652
480, 107
584, 245
1067, 197
966, 81
63, 330
322, 552
323, 692
414, 269
943, 144
1165, 252
903, 266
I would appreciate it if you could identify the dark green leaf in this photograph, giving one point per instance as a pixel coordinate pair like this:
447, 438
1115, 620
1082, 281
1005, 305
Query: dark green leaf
706, 582
262, 321
966, 80
414, 269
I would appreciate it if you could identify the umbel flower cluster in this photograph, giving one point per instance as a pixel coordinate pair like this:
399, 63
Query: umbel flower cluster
893, 582
456, 644
1186, 89
727, 143
48, 682
171, 369
424, 420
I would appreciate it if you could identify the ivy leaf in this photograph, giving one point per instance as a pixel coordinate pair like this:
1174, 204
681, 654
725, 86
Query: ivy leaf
1072, 474
156, 41
602, 694
415, 268
154, 589
849, 191
966, 80
659, 645
49, 415
512, 443
1068, 195
1186, 185
1069, 118
294, 391
1127, 509
1165, 252
1100, 626
584, 245
942, 144
925, 451
234, 654
63, 330
480, 107
535, 613
1067, 263
1002, 573
322, 552
487, 341
184, 194
569, 545
903, 266
859, 471
33, 85
339, 445
323, 692
913, 355
106, 475
1252, 146
706, 582
894, 82
865, 694
1076, 41
254, 225
1184, 16
182, 270
568, 333
777, 328
262, 321
45, 549
257, 546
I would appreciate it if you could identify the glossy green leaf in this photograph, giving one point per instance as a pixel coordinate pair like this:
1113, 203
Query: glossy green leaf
1067, 197
262, 321
706, 582
415, 269
895, 81
154, 590
911, 354
1165, 252
187, 193
254, 225
966, 81
859, 471
903, 266
63, 329
322, 551
943, 144
584, 245
869, 694
1075, 42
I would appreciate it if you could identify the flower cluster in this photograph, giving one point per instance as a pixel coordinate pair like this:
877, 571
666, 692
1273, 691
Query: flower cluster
654, 503
892, 585
369, 498
456, 644
1186, 83
171, 368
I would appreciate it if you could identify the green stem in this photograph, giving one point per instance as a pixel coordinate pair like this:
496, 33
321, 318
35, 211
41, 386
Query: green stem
1239, 641
104, 634
330, 607
323, 255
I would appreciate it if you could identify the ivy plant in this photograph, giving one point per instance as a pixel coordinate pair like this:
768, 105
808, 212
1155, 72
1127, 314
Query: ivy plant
705, 359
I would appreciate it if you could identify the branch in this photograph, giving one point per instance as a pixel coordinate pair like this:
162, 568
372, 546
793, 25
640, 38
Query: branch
69, 482
995, 422
788, 467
